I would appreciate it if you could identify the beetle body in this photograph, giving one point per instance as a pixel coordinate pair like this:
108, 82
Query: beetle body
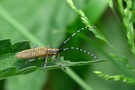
45, 51
36, 53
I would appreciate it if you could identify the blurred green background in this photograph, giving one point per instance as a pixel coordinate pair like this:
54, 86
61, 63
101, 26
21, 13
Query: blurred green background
51, 22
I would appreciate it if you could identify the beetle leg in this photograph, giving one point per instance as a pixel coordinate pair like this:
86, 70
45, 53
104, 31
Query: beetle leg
31, 60
46, 59
62, 66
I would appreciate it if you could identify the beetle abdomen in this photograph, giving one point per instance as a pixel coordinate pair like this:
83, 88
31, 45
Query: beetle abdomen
32, 53
36, 52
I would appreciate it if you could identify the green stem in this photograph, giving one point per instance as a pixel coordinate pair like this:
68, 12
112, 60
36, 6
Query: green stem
74, 76
69, 64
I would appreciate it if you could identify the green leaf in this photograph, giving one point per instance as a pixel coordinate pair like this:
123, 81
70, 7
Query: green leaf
5, 46
116, 77
10, 65
8, 60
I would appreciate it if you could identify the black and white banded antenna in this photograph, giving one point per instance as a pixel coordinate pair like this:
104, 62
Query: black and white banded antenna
79, 49
72, 36
75, 48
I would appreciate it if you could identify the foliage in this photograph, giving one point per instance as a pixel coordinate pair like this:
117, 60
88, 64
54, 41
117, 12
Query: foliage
44, 22
115, 77
11, 66
128, 19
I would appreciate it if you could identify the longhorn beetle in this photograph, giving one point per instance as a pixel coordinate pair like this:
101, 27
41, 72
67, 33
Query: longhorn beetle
46, 52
